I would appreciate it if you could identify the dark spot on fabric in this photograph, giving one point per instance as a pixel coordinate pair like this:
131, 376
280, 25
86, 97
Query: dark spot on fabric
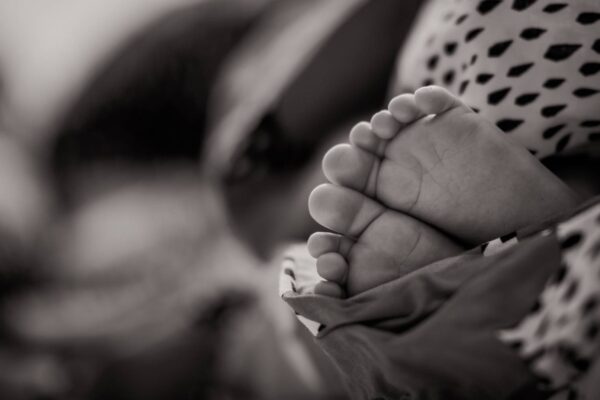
571, 290
484, 78
532, 33
519, 70
596, 46
590, 305
432, 62
554, 7
537, 306
508, 236
590, 123
463, 67
588, 18
532, 152
551, 111
497, 96
553, 83
552, 131
461, 19
526, 98
521, 5
560, 52
472, 34
448, 16
499, 48
484, 246
473, 59
594, 137
450, 48
590, 68
463, 86
542, 328
475, 109
569, 354
563, 142
584, 92
448, 77
509, 125
591, 332
289, 272
516, 345
560, 275
486, 6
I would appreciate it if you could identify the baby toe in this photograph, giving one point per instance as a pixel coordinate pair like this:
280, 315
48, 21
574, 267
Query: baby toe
329, 289
404, 109
343, 210
363, 137
385, 125
332, 267
320, 243
350, 166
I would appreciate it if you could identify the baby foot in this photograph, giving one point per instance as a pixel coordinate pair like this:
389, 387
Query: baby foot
429, 159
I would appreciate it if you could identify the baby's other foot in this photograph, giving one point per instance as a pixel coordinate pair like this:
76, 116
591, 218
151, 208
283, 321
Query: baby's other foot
451, 168
373, 244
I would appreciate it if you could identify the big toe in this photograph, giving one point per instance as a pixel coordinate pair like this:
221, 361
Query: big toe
436, 100
350, 166
343, 210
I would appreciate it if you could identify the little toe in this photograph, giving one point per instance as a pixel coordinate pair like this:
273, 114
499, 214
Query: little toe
436, 100
404, 109
362, 136
329, 289
352, 167
332, 267
343, 210
320, 243
385, 125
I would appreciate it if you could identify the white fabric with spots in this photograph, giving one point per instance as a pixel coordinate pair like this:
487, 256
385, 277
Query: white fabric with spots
560, 336
498, 245
530, 66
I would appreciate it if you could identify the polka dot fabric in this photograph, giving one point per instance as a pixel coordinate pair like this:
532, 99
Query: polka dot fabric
530, 66
559, 338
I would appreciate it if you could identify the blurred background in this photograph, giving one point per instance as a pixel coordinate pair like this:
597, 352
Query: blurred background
155, 157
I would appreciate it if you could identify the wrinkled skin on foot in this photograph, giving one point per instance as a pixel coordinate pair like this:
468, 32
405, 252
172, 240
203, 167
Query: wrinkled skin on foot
420, 182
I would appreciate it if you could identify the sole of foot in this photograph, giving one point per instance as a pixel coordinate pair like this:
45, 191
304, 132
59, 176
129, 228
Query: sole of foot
423, 173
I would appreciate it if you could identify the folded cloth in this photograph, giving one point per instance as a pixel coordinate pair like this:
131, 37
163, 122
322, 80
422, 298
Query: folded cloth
434, 333
559, 337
